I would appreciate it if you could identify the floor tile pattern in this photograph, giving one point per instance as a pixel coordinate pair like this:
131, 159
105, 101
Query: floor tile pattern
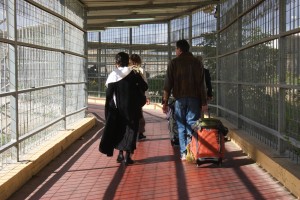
81, 172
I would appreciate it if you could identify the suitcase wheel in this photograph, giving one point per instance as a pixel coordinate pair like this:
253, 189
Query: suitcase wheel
220, 162
198, 162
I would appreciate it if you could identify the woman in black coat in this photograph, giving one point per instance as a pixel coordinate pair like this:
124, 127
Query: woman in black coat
124, 99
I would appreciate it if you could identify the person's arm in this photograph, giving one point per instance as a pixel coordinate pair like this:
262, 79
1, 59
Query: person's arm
143, 69
109, 102
142, 83
147, 97
168, 85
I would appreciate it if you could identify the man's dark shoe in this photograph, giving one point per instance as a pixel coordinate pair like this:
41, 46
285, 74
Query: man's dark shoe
142, 136
120, 158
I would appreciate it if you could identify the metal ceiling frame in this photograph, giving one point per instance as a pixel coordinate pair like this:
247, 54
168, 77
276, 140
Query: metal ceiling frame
104, 14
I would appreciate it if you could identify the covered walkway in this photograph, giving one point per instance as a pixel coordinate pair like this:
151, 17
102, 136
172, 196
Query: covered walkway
81, 172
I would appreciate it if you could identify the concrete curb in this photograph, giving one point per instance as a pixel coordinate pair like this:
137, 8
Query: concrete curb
16, 175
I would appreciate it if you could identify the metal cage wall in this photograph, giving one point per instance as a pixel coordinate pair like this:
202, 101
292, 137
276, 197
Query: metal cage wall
251, 48
43, 76
259, 72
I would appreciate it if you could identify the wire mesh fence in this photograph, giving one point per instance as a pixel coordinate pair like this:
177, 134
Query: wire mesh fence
252, 51
43, 88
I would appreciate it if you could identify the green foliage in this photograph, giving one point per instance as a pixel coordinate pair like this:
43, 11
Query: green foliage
92, 85
209, 45
96, 86
155, 85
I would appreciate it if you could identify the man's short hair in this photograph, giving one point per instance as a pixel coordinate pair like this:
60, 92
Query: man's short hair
183, 45
122, 59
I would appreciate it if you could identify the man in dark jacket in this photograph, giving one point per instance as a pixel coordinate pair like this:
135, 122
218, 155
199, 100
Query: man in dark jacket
185, 79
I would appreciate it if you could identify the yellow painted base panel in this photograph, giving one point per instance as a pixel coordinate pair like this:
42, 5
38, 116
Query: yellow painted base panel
15, 175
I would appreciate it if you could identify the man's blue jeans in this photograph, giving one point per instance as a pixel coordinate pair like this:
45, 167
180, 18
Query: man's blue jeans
187, 112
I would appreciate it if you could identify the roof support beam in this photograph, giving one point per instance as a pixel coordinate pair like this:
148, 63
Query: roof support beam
101, 26
131, 16
152, 6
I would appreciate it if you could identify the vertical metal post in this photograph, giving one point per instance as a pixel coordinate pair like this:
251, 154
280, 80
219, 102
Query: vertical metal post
64, 99
239, 61
169, 41
191, 32
85, 60
13, 68
99, 64
130, 41
218, 60
282, 73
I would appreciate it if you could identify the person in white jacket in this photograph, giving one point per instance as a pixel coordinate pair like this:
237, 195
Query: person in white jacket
123, 104
135, 63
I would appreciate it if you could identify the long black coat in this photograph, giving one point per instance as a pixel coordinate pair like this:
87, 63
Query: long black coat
122, 114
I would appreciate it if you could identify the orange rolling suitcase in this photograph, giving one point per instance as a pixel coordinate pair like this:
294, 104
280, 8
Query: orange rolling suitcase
207, 145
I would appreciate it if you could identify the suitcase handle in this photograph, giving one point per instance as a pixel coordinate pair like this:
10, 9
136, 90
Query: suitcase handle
208, 112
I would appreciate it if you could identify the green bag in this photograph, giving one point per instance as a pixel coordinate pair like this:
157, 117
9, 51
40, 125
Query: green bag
210, 123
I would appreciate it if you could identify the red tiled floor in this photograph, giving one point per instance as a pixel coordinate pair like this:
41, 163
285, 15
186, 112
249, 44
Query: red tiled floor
81, 172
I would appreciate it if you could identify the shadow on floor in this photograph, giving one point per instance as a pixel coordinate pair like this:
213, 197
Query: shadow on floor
59, 166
